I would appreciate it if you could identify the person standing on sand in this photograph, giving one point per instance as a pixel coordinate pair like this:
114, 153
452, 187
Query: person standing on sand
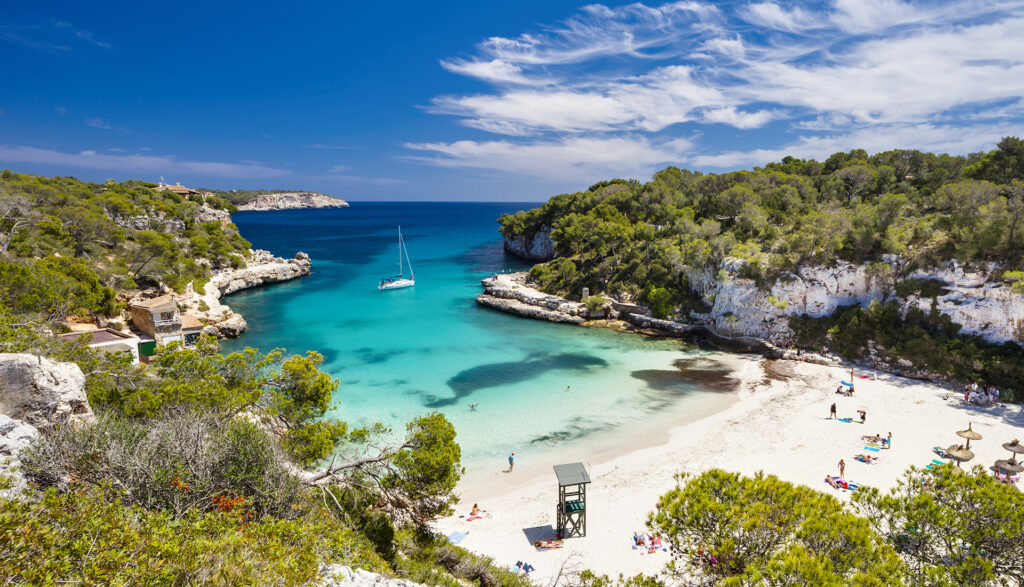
832, 411
842, 468
863, 415
511, 462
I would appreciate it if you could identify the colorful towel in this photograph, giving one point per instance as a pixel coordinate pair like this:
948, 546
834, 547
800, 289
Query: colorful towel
871, 448
471, 518
847, 420
456, 537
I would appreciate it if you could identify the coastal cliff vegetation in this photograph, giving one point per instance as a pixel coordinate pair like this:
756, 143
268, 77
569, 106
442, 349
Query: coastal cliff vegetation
66, 246
895, 212
201, 467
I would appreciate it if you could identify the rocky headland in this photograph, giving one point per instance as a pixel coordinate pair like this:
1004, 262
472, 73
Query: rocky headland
292, 201
262, 268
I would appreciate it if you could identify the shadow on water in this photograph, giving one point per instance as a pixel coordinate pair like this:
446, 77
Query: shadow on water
371, 356
466, 382
690, 374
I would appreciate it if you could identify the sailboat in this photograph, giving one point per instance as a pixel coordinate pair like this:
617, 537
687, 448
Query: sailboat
399, 281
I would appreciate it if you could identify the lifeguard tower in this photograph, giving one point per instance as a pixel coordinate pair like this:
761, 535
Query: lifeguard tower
572, 500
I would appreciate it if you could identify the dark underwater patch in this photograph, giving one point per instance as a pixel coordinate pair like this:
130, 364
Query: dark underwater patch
466, 382
689, 375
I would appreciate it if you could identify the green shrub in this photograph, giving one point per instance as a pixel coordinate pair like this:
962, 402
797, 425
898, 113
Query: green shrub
91, 538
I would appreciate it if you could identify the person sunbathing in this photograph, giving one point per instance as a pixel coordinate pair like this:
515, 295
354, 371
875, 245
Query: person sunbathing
475, 511
832, 481
639, 539
866, 459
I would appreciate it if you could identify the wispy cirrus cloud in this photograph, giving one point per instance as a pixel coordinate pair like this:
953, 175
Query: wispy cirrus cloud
100, 123
577, 158
53, 37
136, 163
851, 69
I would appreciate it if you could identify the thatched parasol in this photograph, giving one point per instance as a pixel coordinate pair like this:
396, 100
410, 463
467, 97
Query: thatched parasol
960, 454
1010, 466
1015, 447
969, 435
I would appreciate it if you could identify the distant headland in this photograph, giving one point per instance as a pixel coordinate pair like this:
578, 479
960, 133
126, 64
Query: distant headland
292, 201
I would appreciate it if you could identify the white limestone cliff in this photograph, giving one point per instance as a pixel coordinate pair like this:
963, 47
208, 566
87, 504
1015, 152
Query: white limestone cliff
292, 201
262, 268
539, 247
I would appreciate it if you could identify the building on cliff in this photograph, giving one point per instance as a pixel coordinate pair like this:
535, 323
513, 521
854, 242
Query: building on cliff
178, 189
160, 319
109, 340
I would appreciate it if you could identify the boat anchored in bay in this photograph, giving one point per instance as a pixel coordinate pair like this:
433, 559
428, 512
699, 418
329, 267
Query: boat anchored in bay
399, 281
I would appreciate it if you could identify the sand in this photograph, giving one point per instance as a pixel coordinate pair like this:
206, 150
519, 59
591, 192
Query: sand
779, 426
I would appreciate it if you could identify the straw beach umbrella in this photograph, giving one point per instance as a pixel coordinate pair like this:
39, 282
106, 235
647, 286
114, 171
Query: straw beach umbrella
1010, 466
1015, 448
969, 435
960, 454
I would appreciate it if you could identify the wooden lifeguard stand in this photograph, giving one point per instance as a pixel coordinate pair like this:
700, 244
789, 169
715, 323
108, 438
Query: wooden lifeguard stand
572, 500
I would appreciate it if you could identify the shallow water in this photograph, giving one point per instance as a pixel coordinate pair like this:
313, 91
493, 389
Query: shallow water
540, 388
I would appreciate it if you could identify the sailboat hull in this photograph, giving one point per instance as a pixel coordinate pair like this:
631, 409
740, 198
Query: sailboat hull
396, 284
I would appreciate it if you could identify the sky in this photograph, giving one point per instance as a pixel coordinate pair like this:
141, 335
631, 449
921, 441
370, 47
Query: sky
493, 101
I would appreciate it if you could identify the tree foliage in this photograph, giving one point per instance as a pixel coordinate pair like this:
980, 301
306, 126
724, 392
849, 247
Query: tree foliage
731, 529
952, 529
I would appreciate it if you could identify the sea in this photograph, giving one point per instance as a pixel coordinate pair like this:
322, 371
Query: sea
546, 392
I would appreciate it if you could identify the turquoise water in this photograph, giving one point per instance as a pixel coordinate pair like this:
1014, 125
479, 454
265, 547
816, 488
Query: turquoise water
405, 352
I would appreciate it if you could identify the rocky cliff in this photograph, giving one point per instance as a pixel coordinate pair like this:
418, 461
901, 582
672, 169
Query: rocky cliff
36, 394
740, 308
509, 292
262, 268
292, 201
538, 247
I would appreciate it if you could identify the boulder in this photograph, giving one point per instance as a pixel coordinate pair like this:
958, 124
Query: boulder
233, 327
42, 392
15, 435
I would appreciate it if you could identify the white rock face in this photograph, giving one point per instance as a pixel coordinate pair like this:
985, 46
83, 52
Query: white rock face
292, 201
15, 435
262, 268
333, 575
510, 293
42, 392
740, 308
538, 248
208, 214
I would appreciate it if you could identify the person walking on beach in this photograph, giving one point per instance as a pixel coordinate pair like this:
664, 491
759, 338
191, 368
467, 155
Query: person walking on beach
511, 462
842, 468
863, 415
832, 411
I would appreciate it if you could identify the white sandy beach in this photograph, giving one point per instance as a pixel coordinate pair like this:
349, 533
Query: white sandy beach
778, 426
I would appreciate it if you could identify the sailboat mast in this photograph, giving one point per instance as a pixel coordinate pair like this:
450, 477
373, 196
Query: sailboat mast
399, 251
412, 274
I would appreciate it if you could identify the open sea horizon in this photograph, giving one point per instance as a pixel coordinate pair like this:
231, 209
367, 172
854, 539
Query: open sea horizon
543, 391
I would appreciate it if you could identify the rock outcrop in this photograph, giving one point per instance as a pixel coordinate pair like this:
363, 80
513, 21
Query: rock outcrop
510, 293
42, 392
740, 308
292, 201
158, 223
261, 269
538, 247
336, 575
15, 436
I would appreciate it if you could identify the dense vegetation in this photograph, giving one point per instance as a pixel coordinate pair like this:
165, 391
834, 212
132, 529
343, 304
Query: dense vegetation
202, 467
66, 245
936, 527
896, 212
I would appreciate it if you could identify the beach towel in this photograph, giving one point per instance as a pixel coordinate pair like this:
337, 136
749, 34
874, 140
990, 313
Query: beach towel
456, 537
471, 518
875, 444
938, 462
846, 383
873, 449
843, 484
847, 420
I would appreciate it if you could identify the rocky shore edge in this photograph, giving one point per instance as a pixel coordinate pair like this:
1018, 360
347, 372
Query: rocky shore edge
262, 268
513, 293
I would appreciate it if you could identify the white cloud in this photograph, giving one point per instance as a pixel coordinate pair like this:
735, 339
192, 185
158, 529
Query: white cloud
339, 169
771, 15
875, 71
495, 71
922, 137
99, 123
143, 164
84, 35
576, 158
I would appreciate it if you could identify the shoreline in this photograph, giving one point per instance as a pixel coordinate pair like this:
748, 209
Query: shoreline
778, 425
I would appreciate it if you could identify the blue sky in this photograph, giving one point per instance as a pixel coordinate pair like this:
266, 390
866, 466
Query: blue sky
493, 101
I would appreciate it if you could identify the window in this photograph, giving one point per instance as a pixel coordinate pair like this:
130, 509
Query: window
166, 315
